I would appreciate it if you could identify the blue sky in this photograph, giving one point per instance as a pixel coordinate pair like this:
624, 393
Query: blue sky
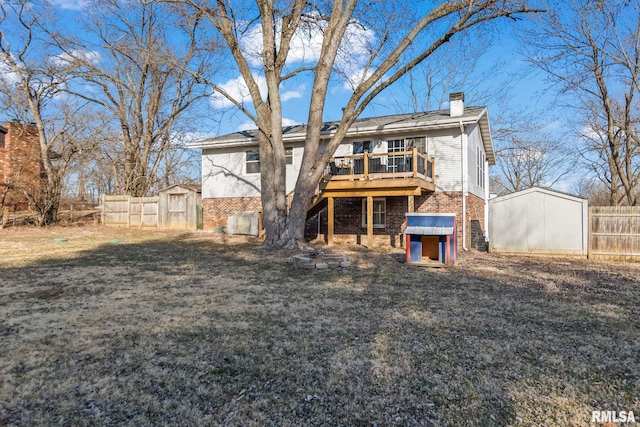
526, 93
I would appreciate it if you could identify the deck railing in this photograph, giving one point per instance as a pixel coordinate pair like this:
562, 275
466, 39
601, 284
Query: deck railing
400, 164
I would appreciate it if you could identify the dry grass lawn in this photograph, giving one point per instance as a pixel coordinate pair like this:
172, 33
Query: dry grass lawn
170, 328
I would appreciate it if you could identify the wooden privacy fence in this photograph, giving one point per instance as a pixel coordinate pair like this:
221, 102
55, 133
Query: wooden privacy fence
130, 211
614, 232
176, 207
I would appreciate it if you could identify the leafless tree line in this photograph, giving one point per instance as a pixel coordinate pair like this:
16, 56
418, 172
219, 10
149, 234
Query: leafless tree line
590, 51
107, 101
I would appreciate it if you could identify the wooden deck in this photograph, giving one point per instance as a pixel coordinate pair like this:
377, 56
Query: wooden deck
403, 173
394, 174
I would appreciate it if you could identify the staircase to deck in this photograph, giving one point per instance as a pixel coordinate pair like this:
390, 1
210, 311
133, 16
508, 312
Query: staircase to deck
318, 203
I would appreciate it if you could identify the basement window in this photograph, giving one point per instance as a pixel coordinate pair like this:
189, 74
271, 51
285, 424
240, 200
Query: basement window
252, 161
379, 212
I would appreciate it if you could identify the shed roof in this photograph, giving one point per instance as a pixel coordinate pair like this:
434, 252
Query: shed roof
547, 191
195, 187
381, 125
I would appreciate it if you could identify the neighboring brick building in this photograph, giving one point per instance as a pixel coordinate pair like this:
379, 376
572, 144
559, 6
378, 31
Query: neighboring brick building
432, 162
20, 163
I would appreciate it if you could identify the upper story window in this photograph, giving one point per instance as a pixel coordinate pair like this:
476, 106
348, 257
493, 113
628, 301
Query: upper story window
396, 163
2, 135
420, 143
395, 145
359, 147
480, 168
252, 161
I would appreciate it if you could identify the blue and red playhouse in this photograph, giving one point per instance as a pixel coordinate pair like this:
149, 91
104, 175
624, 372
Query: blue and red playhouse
431, 239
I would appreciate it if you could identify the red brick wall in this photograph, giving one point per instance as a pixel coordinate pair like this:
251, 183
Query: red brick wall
348, 218
217, 211
20, 162
475, 226
443, 202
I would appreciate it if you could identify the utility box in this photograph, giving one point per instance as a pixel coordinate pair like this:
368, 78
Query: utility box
247, 223
431, 239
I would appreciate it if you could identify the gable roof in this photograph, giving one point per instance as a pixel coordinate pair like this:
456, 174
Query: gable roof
381, 125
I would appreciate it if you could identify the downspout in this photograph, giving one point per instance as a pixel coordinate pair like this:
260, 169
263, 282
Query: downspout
486, 200
465, 160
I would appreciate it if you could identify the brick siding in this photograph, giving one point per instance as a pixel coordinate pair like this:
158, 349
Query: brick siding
217, 211
20, 163
348, 217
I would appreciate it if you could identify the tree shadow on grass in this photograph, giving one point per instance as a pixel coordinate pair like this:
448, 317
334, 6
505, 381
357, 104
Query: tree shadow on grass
191, 331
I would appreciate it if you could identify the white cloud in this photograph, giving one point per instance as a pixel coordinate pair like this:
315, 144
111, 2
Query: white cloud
355, 77
238, 90
252, 126
289, 122
70, 4
246, 126
88, 56
306, 44
6, 72
291, 94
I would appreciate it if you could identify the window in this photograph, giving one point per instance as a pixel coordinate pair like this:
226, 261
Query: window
379, 213
480, 169
252, 161
2, 134
359, 147
396, 163
419, 142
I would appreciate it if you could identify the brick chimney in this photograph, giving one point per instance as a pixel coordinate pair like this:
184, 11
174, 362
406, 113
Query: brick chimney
456, 104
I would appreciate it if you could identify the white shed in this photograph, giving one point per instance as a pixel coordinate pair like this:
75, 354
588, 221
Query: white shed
539, 221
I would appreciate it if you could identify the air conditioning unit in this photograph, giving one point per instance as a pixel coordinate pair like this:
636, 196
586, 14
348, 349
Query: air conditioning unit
244, 223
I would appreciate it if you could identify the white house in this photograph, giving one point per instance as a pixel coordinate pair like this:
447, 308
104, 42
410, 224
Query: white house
436, 161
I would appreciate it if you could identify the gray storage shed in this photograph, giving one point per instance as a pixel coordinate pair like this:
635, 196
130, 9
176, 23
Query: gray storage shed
180, 207
539, 221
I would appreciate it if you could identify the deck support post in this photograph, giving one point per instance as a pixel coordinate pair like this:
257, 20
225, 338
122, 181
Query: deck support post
330, 216
411, 204
369, 221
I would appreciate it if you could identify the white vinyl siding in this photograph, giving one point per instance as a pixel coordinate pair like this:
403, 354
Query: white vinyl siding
476, 163
224, 172
445, 146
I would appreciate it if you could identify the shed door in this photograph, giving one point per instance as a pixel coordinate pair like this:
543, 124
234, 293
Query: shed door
177, 211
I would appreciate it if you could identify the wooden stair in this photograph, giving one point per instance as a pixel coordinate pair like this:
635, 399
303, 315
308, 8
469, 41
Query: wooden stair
318, 204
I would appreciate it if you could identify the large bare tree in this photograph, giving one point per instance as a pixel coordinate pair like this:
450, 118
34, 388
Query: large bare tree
591, 51
393, 31
33, 78
142, 71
